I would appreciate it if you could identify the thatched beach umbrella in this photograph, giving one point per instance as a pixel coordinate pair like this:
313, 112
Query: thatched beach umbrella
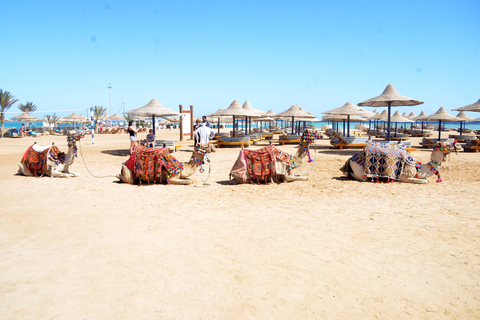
247, 106
27, 118
441, 115
236, 110
348, 109
294, 111
116, 117
340, 117
153, 109
465, 117
397, 117
475, 107
390, 98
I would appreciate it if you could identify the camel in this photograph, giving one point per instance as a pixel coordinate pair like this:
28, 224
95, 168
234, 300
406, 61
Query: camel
157, 165
407, 169
48, 160
269, 164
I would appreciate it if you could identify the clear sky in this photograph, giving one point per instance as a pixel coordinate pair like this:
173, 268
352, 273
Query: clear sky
62, 55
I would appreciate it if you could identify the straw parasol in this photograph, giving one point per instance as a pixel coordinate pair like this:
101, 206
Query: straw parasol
247, 106
348, 109
116, 117
27, 118
465, 117
441, 115
390, 98
294, 111
471, 107
153, 109
236, 110
397, 117
219, 118
341, 117
411, 115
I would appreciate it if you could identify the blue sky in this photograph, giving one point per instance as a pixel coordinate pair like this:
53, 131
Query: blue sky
62, 55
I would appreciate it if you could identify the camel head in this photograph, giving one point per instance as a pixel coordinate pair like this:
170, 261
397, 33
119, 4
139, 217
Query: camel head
74, 136
308, 137
441, 149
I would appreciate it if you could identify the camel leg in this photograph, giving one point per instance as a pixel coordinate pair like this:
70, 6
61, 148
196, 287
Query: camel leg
292, 177
58, 174
23, 170
413, 180
125, 175
357, 171
178, 181
73, 173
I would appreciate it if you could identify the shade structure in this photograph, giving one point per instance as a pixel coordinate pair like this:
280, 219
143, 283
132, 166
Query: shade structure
153, 109
464, 116
411, 115
213, 116
116, 117
441, 115
27, 118
397, 117
341, 117
236, 110
390, 98
292, 112
471, 107
348, 109
247, 106
76, 118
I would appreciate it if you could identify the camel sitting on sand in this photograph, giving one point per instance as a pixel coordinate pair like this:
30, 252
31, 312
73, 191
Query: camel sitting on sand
269, 164
157, 165
379, 160
48, 160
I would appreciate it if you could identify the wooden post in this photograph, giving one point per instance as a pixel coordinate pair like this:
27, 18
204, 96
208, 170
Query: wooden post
180, 107
191, 122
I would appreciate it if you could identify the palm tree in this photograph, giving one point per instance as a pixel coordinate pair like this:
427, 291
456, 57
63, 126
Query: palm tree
51, 119
28, 107
98, 112
6, 101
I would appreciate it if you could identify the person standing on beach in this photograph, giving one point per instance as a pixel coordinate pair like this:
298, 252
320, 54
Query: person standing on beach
204, 120
203, 135
195, 127
22, 130
132, 132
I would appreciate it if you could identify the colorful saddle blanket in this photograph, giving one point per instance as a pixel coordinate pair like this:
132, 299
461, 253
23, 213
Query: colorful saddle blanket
385, 160
149, 162
260, 165
36, 162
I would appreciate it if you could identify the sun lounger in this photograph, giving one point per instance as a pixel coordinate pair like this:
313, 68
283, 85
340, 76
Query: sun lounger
289, 138
418, 133
463, 137
172, 145
233, 142
220, 134
472, 145
341, 142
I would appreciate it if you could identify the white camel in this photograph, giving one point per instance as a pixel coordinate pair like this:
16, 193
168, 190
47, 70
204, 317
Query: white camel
48, 160
412, 172
282, 163
172, 171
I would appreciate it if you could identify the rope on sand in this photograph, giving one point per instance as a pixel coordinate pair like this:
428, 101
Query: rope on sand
81, 153
313, 164
208, 176
460, 168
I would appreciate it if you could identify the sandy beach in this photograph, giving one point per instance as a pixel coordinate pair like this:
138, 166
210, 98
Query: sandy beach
326, 248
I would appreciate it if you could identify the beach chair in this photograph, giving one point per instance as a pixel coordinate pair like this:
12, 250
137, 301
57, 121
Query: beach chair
418, 133
472, 145
233, 142
289, 138
428, 143
340, 142
172, 145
